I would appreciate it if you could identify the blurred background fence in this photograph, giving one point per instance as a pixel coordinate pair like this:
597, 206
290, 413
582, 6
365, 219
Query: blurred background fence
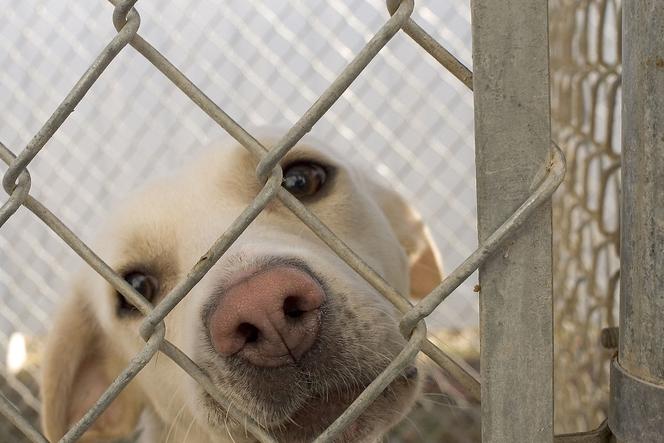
585, 98
265, 62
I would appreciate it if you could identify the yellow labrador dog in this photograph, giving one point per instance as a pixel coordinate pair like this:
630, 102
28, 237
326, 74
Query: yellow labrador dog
281, 325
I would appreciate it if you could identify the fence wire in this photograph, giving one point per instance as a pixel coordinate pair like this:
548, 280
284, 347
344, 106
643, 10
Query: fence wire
17, 183
265, 62
585, 77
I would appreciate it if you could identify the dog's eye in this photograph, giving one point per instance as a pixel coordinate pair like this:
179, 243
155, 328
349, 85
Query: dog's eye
304, 179
144, 284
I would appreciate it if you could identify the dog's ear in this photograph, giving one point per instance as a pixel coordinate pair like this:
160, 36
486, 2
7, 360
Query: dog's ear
425, 264
77, 368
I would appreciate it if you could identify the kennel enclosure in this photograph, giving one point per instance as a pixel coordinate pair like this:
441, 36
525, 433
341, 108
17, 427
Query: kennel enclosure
518, 168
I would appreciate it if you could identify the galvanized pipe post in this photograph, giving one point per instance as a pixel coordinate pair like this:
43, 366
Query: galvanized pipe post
512, 137
637, 377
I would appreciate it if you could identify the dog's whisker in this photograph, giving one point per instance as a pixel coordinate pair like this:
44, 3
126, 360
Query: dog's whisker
189, 428
174, 423
228, 429
412, 424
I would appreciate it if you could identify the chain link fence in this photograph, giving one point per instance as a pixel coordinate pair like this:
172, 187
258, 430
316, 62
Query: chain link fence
265, 63
404, 116
585, 79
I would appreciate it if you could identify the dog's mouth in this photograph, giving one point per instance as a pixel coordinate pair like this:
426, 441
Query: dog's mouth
317, 412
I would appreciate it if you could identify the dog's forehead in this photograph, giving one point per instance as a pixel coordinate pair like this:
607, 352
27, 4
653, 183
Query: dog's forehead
208, 192
224, 173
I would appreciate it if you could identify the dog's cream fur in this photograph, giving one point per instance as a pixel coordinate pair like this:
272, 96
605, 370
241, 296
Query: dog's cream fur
165, 228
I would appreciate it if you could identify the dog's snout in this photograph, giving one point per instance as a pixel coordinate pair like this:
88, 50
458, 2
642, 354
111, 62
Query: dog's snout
270, 318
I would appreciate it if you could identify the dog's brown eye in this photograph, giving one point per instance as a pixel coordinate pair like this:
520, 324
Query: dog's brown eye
304, 179
144, 284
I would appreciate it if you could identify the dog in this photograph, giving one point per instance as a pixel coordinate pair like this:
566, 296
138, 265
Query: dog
281, 325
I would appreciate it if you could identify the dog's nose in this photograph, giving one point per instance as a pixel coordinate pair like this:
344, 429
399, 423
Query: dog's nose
270, 318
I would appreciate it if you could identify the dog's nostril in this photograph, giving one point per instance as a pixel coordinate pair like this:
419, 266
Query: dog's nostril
249, 332
291, 307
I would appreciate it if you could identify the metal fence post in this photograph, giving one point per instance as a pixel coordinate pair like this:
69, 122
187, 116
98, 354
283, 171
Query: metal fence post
637, 377
512, 135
